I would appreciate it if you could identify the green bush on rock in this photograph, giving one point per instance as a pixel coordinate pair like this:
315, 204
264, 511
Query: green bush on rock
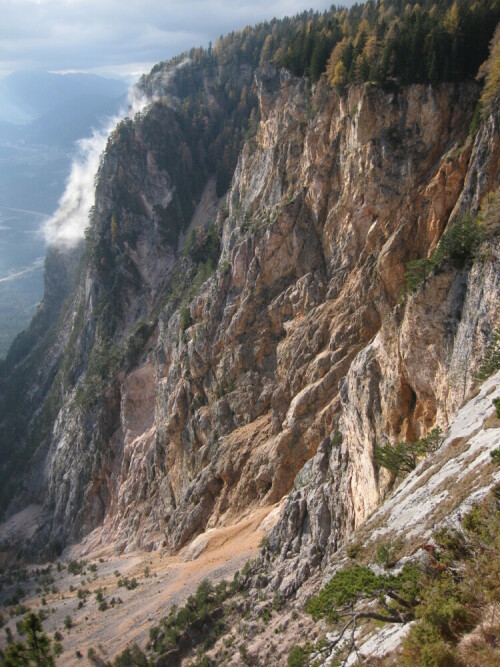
403, 457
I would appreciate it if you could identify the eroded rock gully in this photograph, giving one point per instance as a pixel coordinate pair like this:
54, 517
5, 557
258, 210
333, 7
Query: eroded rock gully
298, 333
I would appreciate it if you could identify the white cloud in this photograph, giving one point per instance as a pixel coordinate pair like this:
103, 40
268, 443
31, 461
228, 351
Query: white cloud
67, 226
112, 35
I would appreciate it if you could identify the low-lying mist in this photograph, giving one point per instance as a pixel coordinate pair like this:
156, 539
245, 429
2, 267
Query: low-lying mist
66, 227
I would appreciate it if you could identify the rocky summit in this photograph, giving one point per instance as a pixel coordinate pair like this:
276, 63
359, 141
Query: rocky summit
285, 304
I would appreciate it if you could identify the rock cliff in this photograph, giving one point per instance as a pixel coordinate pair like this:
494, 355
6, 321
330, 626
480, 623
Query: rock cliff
177, 413
414, 374
279, 278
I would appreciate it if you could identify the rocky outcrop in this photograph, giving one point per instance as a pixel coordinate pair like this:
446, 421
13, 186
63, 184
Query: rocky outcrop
434, 497
317, 263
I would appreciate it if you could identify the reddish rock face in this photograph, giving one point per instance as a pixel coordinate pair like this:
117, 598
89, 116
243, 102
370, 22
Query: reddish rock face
324, 214
298, 333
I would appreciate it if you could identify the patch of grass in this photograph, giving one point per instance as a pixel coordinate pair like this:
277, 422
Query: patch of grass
352, 550
495, 456
185, 318
466, 582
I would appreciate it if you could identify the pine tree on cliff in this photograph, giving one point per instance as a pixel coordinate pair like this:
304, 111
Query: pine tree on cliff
36, 648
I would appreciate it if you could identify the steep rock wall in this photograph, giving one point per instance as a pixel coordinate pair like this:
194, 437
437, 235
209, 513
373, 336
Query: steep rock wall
413, 375
323, 201
224, 403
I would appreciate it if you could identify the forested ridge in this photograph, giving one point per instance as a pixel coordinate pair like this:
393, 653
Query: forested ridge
380, 41
383, 42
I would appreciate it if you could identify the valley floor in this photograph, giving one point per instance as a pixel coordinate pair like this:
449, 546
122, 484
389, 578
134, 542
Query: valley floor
161, 582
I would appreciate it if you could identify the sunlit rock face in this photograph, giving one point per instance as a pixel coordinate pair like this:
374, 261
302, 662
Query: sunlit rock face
299, 332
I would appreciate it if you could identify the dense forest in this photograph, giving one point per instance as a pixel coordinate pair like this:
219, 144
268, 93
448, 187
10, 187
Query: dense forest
381, 41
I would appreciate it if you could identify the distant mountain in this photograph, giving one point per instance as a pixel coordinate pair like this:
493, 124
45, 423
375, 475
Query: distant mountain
25, 96
73, 119
64, 124
35, 156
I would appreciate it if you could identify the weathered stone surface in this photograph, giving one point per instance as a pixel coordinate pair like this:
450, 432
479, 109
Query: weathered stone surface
414, 374
298, 332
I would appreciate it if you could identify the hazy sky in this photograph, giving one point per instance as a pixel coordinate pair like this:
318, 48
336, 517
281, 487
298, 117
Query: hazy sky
122, 35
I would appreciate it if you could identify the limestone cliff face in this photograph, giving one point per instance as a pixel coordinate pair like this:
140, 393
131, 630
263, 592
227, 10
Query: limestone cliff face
320, 213
414, 374
297, 334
